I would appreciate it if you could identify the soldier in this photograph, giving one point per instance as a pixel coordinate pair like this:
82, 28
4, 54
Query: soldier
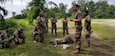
87, 27
78, 25
65, 26
5, 38
19, 36
53, 24
41, 26
35, 33
64, 40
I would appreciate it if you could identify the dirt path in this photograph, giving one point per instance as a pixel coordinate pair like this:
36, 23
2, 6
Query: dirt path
101, 47
105, 22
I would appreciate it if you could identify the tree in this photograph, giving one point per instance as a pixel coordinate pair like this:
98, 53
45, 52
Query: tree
82, 4
52, 3
63, 8
14, 14
101, 6
90, 6
4, 13
36, 6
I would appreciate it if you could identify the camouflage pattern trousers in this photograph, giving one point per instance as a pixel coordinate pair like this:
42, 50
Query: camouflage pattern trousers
78, 36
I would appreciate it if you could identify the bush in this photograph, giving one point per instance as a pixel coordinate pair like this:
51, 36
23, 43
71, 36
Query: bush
11, 23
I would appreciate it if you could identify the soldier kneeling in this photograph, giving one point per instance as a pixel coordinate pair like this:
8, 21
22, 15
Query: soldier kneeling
35, 33
19, 36
5, 38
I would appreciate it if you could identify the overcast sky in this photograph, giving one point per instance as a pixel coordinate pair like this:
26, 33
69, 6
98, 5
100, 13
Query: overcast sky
18, 5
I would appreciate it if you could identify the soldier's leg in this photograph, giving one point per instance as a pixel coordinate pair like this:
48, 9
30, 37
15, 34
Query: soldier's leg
78, 42
87, 36
37, 38
23, 40
67, 31
63, 31
3, 45
8, 44
52, 30
55, 30
88, 40
16, 41
33, 37
42, 36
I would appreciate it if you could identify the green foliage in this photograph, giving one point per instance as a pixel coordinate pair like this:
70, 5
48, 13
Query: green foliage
13, 25
36, 6
100, 9
20, 16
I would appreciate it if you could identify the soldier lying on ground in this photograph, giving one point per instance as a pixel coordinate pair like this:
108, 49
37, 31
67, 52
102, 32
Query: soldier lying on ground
65, 40
19, 36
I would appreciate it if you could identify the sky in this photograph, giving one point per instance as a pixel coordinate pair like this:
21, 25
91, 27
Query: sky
18, 5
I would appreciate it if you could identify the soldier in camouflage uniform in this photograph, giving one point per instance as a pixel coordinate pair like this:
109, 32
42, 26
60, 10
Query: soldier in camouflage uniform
53, 24
87, 27
19, 36
41, 23
5, 35
78, 26
65, 26
35, 33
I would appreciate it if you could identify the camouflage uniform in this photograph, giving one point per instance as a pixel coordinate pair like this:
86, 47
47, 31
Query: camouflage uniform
78, 26
41, 27
87, 29
53, 24
35, 33
65, 26
5, 35
19, 36
66, 39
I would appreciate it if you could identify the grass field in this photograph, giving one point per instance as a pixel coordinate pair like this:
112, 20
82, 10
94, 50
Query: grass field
99, 47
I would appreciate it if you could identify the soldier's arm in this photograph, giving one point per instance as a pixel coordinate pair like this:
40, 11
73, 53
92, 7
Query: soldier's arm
23, 35
37, 19
88, 19
16, 34
67, 21
41, 23
79, 18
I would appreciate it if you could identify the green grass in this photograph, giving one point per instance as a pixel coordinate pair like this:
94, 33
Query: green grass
38, 49
104, 31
